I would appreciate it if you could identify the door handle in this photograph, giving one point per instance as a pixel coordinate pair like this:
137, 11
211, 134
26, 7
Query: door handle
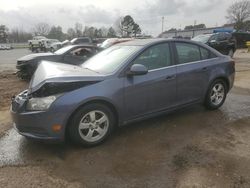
170, 77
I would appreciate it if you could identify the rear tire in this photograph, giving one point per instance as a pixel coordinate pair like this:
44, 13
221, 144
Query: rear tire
216, 95
92, 124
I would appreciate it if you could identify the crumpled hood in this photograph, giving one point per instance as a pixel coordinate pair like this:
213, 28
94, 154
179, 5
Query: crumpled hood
51, 72
34, 56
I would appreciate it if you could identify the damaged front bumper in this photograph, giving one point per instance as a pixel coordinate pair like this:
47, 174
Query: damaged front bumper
34, 124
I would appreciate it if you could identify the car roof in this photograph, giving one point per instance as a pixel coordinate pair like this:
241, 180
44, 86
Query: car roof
147, 42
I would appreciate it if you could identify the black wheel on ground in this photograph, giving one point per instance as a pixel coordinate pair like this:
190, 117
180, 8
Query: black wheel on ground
216, 94
91, 124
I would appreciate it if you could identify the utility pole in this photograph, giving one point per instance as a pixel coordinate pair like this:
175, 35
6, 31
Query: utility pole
162, 22
193, 28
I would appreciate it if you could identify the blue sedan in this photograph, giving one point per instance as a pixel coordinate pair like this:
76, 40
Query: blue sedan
127, 82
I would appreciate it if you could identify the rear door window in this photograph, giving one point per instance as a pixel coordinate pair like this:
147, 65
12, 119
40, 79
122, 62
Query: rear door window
187, 52
206, 54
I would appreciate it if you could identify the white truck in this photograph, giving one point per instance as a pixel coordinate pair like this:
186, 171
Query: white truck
48, 44
35, 43
41, 43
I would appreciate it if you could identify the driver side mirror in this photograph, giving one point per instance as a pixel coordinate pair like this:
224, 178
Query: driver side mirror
137, 69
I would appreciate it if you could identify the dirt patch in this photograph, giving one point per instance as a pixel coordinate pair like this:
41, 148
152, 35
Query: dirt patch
9, 85
192, 155
32, 176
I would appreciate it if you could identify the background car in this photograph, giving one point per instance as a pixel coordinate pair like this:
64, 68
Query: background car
125, 83
5, 47
73, 54
81, 40
224, 42
112, 41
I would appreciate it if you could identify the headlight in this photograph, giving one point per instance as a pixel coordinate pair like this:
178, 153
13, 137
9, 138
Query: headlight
41, 103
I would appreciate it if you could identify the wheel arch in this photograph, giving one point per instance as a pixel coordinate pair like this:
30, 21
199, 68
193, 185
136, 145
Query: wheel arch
223, 78
94, 101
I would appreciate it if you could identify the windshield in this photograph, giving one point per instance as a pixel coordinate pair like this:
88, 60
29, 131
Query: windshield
63, 50
202, 38
110, 59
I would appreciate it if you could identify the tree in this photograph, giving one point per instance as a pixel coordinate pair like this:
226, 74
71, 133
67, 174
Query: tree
118, 26
19, 35
127, 25
41, 29
111, 32
89, 32
85, 32
99, 33
247, 25
136, 29
3, 33
71, 33
238, 13
104, 31
56, 33
78, 29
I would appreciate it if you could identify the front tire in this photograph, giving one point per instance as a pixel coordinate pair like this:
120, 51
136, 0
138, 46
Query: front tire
216, 95
92, 124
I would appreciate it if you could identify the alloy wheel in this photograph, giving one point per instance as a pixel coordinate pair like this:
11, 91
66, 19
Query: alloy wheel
93, 126
217, 94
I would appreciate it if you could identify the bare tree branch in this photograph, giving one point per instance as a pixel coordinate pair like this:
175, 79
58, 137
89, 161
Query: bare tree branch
239, 11
41, 29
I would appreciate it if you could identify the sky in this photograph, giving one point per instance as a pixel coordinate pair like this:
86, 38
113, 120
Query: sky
148, 14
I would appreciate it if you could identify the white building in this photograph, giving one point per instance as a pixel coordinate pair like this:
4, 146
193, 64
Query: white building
192, 33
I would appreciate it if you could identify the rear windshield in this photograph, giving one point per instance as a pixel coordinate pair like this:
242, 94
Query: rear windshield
201, 38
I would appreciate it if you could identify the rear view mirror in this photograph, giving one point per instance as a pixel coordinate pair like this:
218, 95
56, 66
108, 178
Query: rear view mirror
137, 69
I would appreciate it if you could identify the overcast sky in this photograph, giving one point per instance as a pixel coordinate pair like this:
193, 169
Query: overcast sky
148, 14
